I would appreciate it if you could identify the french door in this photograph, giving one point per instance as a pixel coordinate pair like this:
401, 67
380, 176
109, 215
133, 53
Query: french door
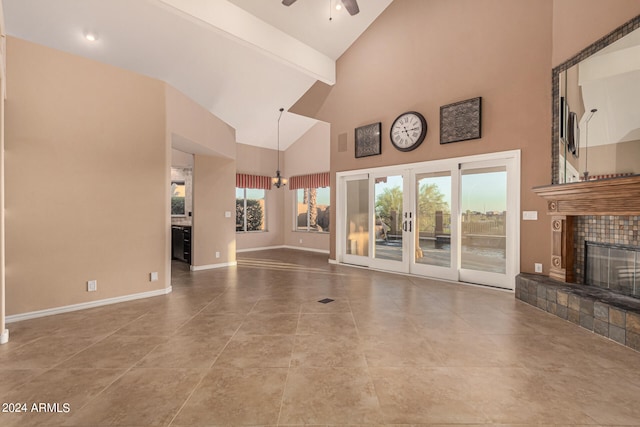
454, 219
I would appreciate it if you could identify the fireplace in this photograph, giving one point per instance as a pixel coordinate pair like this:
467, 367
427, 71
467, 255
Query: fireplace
613, 267
606, 214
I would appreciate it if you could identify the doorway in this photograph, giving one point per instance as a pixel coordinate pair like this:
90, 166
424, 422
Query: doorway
453, 219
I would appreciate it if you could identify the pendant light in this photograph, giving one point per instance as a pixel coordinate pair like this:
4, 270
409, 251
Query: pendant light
586, 146
278, 181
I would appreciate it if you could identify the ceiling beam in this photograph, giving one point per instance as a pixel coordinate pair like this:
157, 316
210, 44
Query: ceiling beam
234, 22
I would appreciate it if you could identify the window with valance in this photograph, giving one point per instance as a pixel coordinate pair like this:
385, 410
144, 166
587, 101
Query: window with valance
312, 205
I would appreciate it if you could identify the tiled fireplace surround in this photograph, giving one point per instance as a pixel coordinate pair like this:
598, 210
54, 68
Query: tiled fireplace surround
606, 313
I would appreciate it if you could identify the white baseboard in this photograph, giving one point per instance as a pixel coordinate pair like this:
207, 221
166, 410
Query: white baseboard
333, 261
300, 248
85, 305
212, 266
4, 338
264, 248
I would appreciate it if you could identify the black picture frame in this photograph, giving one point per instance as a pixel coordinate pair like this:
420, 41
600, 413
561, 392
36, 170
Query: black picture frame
368, 140
461, 121
573, 134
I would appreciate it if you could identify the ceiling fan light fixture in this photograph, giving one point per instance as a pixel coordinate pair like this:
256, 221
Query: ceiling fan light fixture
91, 36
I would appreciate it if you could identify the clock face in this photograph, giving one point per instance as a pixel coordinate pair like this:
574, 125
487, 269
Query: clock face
408, 131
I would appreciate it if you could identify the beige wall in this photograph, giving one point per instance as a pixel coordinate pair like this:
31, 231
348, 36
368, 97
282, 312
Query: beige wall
213, 194
212, 141
309, 154
578, 23
200, 131
86, 180
614, 158
263, 161
422, 54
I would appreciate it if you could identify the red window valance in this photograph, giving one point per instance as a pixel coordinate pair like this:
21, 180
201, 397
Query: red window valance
244, 180
313, 180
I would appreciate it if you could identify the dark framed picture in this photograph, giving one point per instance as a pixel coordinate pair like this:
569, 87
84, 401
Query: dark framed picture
573, 134
369, 140
562, 112
461, 121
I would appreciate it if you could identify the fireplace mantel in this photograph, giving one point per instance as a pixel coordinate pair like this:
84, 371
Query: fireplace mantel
614, 196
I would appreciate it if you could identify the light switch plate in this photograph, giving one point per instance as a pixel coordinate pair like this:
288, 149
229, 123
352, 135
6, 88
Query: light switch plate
153, 276
227, 214
530, 215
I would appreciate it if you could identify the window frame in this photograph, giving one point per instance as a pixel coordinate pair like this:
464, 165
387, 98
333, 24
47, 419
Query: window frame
183, 183
298, 229
244, 217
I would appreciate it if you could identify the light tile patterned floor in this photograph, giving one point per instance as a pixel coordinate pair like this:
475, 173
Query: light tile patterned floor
252, 346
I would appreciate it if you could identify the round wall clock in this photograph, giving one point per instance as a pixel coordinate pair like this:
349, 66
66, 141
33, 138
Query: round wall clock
408, 131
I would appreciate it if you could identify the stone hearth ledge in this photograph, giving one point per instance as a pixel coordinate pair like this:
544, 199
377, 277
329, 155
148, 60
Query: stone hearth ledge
606, 313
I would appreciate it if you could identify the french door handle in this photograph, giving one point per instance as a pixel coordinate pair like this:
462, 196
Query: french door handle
410, 226
404, 225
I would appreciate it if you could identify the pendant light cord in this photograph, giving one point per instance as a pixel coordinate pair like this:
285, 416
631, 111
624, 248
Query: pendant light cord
278, 153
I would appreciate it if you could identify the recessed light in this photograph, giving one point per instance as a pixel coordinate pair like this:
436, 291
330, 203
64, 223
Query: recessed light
338, 6
92, 37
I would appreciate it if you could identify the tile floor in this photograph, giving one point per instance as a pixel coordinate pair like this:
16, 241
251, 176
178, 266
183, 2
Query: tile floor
252, 346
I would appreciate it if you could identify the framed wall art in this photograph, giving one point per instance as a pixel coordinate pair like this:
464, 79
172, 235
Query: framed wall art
368, 140
461, 121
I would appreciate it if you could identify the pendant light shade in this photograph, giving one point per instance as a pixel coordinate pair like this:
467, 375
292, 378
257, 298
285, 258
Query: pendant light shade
278, 180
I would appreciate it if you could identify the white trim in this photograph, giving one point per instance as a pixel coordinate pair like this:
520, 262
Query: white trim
321, 251
4, 338
333, 261
85, 305
511, 159
264, 248
437, 279
212, 266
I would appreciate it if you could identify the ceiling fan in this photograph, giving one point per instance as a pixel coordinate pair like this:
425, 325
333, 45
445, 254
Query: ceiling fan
350, 5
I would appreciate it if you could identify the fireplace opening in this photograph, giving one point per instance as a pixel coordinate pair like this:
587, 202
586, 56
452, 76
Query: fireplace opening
613, 267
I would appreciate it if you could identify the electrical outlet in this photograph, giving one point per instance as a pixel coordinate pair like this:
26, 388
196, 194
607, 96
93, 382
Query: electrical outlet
217, 254
153, 276
92, 285
300, 241
537, 267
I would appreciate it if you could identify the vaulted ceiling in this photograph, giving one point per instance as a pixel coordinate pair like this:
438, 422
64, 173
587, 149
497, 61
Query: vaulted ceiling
240, 59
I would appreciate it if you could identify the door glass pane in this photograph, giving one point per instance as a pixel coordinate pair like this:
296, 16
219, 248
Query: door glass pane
357, 223
483, 222
388, 221
433, 219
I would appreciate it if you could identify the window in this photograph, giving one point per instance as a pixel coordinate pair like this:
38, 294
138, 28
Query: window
250, 210
178, 196
312, 209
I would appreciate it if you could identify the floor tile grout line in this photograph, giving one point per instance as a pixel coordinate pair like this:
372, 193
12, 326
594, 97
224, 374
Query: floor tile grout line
204, 375
206, 372
286, 380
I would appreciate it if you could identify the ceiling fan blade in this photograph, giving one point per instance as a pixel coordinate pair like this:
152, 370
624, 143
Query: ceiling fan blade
288, 2
351, 6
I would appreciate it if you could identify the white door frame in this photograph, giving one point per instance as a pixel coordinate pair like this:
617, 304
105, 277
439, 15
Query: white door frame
511, 159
